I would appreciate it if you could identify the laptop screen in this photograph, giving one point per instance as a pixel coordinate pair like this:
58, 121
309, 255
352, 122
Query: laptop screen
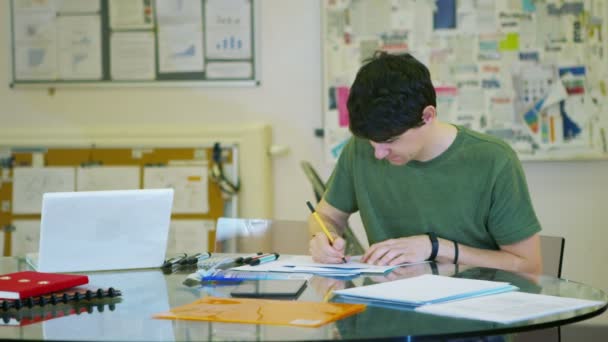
104, 230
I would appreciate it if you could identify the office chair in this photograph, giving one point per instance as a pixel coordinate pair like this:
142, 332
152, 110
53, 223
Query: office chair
552, 255
353, 245
552, 248
318, 186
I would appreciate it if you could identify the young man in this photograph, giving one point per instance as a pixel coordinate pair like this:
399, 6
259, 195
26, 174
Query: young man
425, 189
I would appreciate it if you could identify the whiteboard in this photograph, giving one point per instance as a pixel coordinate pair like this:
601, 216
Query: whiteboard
533, 73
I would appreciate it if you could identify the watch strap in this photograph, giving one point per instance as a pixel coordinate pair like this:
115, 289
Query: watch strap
434, 246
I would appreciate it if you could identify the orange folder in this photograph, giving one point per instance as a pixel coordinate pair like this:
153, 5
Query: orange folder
262, 311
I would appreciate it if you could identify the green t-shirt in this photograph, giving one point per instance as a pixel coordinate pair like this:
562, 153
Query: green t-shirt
475, 192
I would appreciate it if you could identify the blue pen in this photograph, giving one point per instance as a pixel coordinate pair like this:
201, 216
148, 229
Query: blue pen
223, 276
264, 259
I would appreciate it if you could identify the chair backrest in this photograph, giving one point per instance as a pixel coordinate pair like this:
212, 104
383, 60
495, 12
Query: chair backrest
318, 186
354, 246
552, 249
552, 254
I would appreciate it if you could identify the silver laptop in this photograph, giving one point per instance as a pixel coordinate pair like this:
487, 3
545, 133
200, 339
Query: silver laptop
103, 230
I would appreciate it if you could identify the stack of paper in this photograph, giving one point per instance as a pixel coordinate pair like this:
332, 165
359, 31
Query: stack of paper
425, 289
305, 264
508, 307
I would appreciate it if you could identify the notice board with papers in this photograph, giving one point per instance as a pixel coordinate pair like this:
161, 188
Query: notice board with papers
541, 67
26, 173
145, 42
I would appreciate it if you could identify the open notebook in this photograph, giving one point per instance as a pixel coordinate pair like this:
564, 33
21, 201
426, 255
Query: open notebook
103, 230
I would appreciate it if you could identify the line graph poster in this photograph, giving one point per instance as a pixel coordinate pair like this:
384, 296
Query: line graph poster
180, 48
180, 36
228, 27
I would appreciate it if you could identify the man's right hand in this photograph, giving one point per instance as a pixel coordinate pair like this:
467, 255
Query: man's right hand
324, 252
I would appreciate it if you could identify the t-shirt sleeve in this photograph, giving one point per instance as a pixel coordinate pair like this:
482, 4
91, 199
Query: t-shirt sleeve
340, 191
512, 217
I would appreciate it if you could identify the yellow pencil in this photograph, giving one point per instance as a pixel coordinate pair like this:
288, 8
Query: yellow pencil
325, 230
328, 294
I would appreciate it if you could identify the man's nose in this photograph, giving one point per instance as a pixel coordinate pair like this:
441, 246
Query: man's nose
380, 150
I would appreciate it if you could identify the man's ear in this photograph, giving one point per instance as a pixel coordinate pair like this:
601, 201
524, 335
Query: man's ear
429, 114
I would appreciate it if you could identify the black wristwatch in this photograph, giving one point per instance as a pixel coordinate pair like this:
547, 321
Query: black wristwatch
434, 246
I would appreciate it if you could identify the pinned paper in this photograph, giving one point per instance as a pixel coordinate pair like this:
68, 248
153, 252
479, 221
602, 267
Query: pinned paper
510, 43
528, 6
446, 99
557, 93
532, 118
342, 98
445, 14
573, 79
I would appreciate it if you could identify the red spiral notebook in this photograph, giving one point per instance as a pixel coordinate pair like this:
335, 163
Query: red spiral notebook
30, 283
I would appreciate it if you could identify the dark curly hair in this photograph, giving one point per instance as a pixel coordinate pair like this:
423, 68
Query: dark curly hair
388, 96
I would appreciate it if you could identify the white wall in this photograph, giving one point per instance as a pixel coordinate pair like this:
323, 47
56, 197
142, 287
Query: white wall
571, 198
289, 98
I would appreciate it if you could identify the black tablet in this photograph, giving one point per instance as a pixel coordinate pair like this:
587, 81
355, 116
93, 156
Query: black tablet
271, 288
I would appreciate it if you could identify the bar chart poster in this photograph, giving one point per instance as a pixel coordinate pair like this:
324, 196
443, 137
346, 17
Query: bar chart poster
228, 27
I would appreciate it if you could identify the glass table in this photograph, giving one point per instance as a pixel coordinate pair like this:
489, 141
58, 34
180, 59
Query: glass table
146, 292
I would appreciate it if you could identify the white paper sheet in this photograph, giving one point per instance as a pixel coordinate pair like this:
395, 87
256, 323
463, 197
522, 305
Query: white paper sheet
178, 12
500, 109
77, 6
129, 14
305, 264
426, 289
189, 182
486, 16
180, 36
508, 307
370, 17
26, 237
132, 56
228, 29
180, 48
229, 70
107, 178
29, 184
36, 61
79, 39
35, 44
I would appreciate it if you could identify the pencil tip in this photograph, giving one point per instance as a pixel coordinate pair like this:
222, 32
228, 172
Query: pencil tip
312, 209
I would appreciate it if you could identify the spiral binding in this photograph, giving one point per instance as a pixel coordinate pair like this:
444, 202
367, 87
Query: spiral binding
58, 298
26, 316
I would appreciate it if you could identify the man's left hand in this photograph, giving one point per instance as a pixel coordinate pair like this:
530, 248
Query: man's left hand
398, 251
